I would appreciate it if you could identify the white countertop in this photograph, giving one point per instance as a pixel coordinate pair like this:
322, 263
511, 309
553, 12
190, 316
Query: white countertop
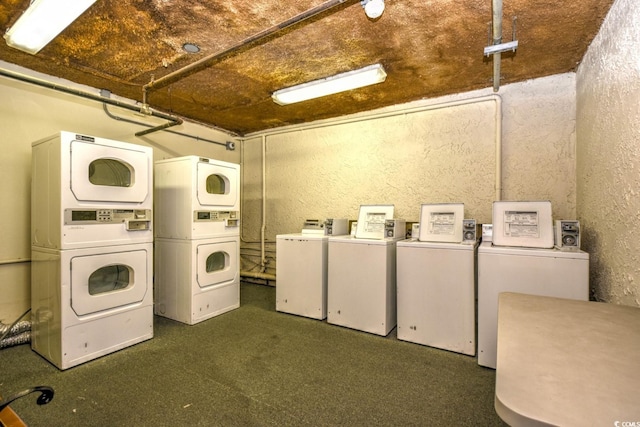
567, 363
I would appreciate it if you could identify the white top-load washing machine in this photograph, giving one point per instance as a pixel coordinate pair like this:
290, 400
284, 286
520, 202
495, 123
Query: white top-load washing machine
196, 198
88, 192
361, 287
436, 294
301, 286
535, 271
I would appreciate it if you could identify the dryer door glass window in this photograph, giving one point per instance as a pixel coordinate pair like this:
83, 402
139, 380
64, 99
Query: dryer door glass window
110, 172
113, 278
217, 261
110, 278
217, 184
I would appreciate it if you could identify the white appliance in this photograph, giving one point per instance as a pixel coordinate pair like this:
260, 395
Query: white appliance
91, 246
436, 295
301, 287
89, 192
197, 263
526, 224
441, 222
545, 272
196, 198
361, 283
89, 302
196, 279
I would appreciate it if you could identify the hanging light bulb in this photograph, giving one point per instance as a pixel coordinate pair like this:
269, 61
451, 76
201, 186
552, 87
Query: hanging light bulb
373, 8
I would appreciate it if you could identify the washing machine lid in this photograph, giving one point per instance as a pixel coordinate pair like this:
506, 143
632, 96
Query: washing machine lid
217, 263
108, 280
218, 183
489, 248
436, 245
101, 171
300, 236
351, 240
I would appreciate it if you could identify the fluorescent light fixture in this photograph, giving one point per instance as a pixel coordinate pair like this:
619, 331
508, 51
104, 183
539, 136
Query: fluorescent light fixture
328, 86
42, 21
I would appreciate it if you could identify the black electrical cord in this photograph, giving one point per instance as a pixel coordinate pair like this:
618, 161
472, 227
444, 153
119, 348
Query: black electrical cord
46, 396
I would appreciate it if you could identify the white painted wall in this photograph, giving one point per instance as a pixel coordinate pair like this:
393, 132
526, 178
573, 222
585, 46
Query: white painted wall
408, 157
608, 167
29, 113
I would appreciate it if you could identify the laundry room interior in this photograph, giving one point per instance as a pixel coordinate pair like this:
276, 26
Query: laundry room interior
562, 132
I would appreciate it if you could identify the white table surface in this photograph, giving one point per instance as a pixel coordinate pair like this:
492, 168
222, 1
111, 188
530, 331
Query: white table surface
567, 363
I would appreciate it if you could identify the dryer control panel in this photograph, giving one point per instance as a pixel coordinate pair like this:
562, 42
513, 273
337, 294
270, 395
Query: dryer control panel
230, 218
134, 219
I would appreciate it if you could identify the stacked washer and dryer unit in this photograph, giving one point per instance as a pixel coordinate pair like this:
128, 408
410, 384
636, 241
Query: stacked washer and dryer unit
197, 245
91, 247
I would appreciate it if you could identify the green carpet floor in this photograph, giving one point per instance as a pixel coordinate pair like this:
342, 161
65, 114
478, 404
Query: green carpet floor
257, 367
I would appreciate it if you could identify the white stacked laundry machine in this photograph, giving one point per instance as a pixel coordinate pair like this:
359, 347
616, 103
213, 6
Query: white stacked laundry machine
91, 247
197, 245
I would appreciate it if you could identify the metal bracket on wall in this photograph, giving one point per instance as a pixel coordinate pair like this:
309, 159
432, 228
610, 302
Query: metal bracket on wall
502, 47
496, 47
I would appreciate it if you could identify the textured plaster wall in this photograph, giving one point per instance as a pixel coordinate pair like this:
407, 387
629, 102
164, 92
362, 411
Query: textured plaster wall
29, 113
408, 158
608, 167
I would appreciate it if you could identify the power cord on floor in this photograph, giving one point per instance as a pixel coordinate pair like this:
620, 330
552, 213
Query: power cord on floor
46, 396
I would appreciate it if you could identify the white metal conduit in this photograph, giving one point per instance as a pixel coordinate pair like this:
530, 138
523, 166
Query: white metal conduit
497, 39
498, 154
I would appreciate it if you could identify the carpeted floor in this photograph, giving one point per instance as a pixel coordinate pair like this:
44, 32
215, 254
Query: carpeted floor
257, 367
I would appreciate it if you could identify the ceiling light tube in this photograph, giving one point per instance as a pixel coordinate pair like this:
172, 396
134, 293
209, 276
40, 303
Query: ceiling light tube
328, 86
42, 21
